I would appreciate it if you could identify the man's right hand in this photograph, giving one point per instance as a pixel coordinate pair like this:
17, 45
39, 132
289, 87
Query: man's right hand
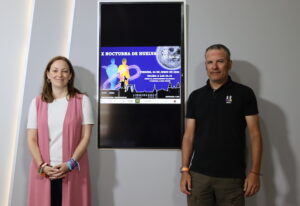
186, 183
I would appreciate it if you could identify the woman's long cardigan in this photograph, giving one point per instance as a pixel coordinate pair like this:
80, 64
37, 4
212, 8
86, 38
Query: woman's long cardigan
76, 184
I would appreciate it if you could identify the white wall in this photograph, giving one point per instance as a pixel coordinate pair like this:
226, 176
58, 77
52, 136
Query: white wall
15, 29
263, 37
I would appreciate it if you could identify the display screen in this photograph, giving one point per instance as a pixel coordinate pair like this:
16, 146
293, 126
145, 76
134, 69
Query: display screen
141, 75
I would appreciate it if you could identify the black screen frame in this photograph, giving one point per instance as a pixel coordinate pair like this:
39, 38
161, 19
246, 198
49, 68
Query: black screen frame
103, 42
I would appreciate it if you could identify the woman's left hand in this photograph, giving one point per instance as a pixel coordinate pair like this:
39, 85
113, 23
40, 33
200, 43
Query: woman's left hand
62, 170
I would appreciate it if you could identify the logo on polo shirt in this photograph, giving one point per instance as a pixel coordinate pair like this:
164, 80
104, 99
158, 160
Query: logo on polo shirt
228, 99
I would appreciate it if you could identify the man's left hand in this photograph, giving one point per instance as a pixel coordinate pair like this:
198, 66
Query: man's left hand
252, 184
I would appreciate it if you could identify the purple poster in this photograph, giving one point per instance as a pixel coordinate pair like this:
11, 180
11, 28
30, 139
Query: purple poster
140, 75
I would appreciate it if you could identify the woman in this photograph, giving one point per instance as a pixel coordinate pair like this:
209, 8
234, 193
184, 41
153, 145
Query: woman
59, 129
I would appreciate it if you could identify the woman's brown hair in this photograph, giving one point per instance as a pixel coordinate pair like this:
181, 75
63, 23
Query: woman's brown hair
47, 94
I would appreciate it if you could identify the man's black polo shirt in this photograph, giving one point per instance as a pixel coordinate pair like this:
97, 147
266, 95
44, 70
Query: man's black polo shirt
220, 145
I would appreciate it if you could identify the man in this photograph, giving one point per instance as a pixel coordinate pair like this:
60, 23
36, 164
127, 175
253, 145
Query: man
217, 115
124, 71
112, 73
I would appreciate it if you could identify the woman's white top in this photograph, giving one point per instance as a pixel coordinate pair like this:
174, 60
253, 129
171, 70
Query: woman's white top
56, 115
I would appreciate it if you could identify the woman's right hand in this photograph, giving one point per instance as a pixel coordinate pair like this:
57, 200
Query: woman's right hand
50, 171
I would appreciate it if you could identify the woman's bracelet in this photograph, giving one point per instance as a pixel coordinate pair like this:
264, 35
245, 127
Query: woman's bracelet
72, 164
41, 169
